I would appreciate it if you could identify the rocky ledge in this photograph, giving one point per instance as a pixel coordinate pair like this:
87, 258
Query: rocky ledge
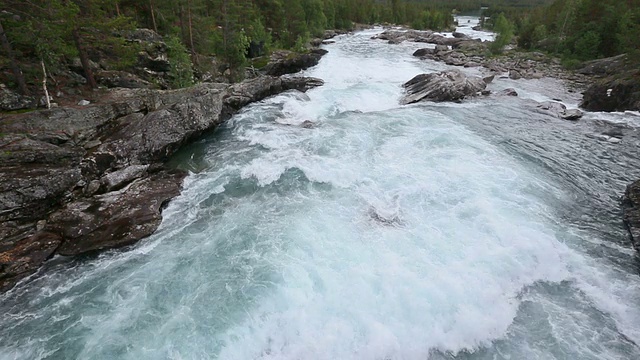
81, 179
617, 87
631, 209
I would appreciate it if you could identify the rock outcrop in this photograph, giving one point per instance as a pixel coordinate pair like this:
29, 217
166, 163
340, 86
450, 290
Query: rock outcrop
618, 92
82, 179
287, 62
631, 209
427, 36
452, 85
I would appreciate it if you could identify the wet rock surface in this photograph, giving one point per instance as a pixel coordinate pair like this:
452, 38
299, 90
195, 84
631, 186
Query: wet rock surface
631, 209
86, 178
287, 62
452, 85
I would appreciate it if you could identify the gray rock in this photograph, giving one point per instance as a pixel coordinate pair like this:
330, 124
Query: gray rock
571, 114
515, 75
450, 85
423, 52
508, 92
121, 79
559, 110
618, 92
307, 124
91, 144
116, 218
488, 79
92, 187
606, 66
84, 102
631, 211
10, 100
143, 35
460, 35
42, 174
440, 48
288, 62
117, 179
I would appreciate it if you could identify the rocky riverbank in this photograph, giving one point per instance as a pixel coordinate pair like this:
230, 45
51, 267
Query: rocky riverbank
610, 84
80, 179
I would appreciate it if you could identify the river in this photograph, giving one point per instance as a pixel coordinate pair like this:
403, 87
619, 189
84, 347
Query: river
475, 230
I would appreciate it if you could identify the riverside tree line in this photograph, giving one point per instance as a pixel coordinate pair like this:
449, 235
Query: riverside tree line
576, 30
53, 32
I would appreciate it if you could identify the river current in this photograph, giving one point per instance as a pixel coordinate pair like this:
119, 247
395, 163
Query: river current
477, 230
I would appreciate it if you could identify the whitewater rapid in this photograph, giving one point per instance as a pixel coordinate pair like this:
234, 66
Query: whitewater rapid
478, 230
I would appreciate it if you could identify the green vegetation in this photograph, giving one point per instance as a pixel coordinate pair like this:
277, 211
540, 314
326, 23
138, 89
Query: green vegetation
56, 31
181, 69
579, 30
504, 31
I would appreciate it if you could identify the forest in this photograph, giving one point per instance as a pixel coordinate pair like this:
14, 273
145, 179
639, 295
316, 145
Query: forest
54, 32
576, 30
51, 34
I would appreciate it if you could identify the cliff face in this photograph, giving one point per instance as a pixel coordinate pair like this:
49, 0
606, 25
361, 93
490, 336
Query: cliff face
84, 179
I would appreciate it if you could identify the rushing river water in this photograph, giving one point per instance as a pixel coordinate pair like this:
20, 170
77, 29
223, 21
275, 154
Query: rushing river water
479, 230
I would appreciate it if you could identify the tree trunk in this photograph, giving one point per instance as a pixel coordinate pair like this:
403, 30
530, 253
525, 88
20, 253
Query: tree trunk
153, 16
84, 59
44, 85
193, 51
117, 8
17, 73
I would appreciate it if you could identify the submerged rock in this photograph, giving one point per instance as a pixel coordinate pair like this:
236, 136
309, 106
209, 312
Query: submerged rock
508, 92
452, 85
308, 124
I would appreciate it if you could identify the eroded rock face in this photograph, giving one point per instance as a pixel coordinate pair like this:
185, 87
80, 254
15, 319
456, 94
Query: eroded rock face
618, 92
452, 85
82, 179
290, 63
631, 209
115, 218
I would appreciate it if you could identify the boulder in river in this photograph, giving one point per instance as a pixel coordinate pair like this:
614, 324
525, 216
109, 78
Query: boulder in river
451, 85
423, 52
559, 110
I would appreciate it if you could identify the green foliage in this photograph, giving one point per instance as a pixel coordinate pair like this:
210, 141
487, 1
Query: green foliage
586, 46
181, 69
301, 43
504, 31
571, 64
581, 29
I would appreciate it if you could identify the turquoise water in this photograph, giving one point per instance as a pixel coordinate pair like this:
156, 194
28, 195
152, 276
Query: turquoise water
481, 230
